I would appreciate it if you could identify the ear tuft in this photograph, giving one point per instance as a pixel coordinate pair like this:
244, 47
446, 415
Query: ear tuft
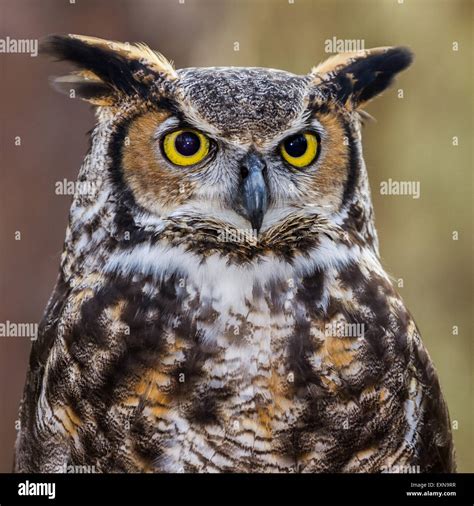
355, 78
138, 51
107, 69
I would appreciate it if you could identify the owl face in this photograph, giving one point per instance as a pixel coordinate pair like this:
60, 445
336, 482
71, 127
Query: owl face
248, 145
241, 148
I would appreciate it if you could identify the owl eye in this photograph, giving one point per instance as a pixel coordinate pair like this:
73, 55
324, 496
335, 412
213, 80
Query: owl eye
185, 147
301, 149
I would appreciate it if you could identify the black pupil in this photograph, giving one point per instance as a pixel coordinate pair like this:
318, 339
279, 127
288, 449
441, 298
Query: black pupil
187, 143
296, 146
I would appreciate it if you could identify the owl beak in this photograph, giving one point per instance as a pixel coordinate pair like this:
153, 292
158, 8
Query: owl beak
254, 193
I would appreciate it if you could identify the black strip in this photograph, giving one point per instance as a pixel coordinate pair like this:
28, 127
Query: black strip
126, 202
354, 168
241, 489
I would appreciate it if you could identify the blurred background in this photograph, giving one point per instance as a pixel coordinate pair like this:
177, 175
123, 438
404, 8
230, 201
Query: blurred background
412, 140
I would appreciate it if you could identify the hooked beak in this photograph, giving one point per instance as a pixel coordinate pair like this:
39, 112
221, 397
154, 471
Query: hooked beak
253, 190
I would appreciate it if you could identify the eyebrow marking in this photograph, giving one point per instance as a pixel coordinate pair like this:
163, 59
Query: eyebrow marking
304, 123
167, 124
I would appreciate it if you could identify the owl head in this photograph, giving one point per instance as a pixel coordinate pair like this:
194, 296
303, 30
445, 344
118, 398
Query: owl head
185, 155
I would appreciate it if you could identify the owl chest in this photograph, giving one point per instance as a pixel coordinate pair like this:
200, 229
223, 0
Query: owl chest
219, 391
228, 362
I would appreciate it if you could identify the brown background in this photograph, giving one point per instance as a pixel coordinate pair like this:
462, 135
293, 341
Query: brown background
411, 141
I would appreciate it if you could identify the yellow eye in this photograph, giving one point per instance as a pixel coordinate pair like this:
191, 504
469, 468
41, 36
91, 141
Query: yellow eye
185, 147
300, 150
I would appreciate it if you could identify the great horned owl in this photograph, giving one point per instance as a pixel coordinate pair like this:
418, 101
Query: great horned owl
221, 305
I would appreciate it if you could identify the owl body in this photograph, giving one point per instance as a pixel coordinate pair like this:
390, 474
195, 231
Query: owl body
230, 314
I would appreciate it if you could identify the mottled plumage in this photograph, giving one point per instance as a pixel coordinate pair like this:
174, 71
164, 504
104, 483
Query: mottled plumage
167, 347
